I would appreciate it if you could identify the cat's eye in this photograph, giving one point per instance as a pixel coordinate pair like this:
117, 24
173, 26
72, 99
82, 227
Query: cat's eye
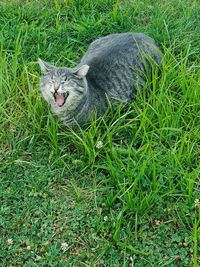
53, 79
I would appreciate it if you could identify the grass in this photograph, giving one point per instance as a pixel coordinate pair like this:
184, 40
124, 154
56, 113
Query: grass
122, 191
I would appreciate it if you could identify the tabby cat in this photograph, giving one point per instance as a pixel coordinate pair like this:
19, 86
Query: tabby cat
111, 70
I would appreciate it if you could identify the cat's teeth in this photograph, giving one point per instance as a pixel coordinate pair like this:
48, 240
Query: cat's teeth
60, 98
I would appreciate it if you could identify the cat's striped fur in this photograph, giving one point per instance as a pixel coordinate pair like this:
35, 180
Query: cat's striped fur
113, 68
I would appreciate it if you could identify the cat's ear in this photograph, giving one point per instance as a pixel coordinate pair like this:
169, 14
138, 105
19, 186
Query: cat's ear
45, 67
82, 71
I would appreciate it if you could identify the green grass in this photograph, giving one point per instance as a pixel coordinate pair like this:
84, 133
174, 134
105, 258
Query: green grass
121, 191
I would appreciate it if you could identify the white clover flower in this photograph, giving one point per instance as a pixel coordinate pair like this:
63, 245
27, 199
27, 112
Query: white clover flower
105, 218
197, 202
64, 246
10, 241
99, 144
157, 222
38, 258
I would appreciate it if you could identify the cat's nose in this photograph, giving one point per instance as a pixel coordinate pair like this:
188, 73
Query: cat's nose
56, 87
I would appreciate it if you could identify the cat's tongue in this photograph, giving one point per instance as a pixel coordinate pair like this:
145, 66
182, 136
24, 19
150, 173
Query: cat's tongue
60, 99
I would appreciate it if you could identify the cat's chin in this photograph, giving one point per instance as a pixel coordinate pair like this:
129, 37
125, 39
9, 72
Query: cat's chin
57, 110
60, 111
59, 106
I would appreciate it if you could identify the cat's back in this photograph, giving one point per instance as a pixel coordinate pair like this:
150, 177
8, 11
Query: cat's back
110, 44
120, 45
112, 60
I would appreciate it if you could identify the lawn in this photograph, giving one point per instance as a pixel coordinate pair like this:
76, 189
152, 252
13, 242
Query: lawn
123, 190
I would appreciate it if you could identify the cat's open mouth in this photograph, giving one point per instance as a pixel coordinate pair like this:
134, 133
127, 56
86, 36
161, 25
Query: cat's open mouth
60, 99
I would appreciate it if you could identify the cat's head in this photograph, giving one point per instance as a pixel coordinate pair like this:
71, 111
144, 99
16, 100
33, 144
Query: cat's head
63, 88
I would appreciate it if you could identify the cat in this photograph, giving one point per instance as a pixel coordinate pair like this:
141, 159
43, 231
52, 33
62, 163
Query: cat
113, 68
